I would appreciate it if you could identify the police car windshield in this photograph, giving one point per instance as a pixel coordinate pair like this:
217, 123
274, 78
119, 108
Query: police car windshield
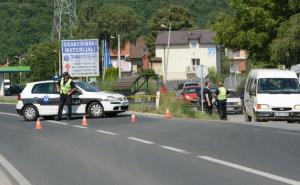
278, 85
87, 87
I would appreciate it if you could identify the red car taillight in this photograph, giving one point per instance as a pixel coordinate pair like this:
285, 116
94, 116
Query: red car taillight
19, 97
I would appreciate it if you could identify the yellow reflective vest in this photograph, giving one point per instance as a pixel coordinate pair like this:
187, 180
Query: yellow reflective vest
222, 93
65, 88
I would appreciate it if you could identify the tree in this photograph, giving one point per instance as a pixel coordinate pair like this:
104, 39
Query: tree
286, 47
178, 16
253, 26
23, 24
42, 58
104, 21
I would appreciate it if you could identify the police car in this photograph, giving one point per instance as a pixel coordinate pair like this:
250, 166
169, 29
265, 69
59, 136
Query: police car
41, 99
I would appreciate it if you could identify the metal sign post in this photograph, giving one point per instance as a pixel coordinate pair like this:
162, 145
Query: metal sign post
202, 88
201, 72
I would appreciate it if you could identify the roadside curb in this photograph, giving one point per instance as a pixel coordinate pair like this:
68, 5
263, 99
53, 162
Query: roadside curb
5, 103
287, 126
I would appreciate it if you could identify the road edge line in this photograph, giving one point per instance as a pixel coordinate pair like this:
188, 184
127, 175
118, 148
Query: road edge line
250, 170
13, 171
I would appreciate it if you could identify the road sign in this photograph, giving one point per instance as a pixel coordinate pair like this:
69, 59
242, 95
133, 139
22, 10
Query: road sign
232, 69
201, 71
80, 57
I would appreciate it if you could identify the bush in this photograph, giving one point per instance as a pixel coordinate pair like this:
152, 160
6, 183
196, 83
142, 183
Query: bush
177, 108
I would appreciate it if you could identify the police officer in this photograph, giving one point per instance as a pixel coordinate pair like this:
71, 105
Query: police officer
65, 86
208, 98
221, 95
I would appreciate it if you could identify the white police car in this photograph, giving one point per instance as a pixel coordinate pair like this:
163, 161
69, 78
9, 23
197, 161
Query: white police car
41, 99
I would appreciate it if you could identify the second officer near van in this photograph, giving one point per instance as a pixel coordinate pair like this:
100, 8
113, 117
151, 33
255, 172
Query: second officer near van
65, 87
221, 95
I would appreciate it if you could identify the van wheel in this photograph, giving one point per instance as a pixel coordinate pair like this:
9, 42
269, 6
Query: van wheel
95, 110
30, 113
247, 117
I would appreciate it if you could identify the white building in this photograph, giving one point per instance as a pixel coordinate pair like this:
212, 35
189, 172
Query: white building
188, 49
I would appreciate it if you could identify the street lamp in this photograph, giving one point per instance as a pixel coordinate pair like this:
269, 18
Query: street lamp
119, 54
168, 49
20, 62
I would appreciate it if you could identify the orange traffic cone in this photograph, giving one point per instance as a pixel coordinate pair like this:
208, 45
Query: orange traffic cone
133, 119
38, 125
168, 114
84, 122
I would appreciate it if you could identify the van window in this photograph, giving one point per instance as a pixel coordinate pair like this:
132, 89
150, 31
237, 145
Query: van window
249, 84
254, 85
278, 85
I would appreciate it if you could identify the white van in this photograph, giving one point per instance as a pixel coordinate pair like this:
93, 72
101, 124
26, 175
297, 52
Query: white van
272, 94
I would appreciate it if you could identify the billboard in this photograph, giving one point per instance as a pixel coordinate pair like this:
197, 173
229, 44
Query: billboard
80, 57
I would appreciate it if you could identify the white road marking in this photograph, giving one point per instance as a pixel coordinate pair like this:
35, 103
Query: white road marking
10, 114
290, 133
250, 170
107, 132
58, 122
141, 140
175, 149
78, 126
13, 172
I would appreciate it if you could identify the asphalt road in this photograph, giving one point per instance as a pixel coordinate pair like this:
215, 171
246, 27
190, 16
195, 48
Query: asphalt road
152, 151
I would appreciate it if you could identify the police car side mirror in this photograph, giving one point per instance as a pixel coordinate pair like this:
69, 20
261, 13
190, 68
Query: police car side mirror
252, 92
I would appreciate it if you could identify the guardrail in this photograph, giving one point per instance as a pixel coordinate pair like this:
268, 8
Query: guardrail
143, 99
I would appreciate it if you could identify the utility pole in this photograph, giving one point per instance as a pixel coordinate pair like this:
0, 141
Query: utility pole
65, 18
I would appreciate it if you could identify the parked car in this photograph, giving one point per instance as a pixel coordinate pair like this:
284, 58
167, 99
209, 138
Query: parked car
182, 86
41, 99
190, 94
7, 86
16, 89
234, 102
272, 94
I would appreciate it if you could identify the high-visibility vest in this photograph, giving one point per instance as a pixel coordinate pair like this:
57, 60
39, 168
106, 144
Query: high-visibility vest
65, 88
222, 94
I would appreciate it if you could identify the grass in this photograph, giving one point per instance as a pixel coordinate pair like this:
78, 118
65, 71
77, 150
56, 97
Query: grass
177, 108
8, 100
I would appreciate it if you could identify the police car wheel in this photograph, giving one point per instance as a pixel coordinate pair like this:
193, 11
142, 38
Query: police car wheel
30, 113
95, 110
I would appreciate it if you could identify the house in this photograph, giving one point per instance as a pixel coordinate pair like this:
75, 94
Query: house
188, 49
133, 56
238, 59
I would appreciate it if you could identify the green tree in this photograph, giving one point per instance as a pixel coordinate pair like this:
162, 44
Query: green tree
178, 16
104, 21
253, 26
43, 60
286, 47
22, 24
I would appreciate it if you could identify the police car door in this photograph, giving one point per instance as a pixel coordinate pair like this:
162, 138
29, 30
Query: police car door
77, 105
46, 98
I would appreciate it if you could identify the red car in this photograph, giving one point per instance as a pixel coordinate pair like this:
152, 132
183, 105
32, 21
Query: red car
190, 94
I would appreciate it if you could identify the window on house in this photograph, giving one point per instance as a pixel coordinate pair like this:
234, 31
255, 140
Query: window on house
195, 61
193, 44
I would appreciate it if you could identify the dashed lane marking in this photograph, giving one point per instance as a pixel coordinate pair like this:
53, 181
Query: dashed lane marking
58, 122
175, 149
141, 140
250, 170
78, 126
107, 132
13, 172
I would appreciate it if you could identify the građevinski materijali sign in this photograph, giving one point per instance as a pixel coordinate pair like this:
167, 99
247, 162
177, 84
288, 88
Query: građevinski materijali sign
80, 57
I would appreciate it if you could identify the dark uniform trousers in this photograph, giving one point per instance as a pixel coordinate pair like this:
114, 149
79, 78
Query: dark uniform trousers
64, 98
222, 110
